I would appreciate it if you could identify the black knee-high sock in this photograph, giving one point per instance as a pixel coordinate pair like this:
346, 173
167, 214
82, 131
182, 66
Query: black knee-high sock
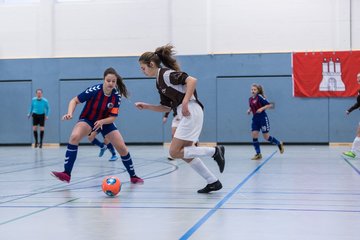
111, 148
128, 163
41, 136
36, 136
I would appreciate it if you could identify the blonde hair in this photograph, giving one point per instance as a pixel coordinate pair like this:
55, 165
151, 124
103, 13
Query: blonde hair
259, 88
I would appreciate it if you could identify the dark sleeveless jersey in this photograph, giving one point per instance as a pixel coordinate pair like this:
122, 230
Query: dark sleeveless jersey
171, 86
98, 105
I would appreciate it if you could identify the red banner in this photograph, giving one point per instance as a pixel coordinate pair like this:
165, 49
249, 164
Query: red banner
325, 74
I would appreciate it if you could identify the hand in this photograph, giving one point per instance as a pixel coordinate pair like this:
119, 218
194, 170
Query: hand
248, 111
347, 112
98, 125
28, 116
259, 110
141, 105
164, 119
46, 118
185, 109
67, 116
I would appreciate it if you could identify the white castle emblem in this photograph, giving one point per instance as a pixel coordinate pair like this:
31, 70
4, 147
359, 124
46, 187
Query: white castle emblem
331, 72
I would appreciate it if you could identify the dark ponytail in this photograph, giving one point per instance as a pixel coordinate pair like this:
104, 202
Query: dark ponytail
119, 81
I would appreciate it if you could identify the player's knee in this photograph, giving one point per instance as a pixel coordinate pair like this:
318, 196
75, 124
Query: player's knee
75, 138
121, 148
173, 153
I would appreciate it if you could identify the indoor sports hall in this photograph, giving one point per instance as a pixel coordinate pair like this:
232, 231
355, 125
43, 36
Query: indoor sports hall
305, 56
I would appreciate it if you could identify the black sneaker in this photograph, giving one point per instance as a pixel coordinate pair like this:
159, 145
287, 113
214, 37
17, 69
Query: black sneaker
211, 187
281, 147
40, 145
219, 157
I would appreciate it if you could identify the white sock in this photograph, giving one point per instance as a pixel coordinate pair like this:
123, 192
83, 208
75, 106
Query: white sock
356, 145
192, 152
201, 169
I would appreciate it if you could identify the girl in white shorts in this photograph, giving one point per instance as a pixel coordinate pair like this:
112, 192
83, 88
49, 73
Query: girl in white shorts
177, 90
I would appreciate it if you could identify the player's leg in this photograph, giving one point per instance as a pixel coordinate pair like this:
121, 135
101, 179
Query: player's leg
92, 139
355, 145
80, 130
255, 129
187, 132
115, 138
35, 131
42, 129
177, 149
256, 144
265, 128
111, 149
174, 124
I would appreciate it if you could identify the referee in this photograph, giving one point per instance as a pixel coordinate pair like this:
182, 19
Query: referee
39, 110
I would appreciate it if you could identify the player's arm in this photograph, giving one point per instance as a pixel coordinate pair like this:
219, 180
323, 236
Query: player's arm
71, 108
99, 123
156, 108
265, 107
47, 109
31, 109
355, 106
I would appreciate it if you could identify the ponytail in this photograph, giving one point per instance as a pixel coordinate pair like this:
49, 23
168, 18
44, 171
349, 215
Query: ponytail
164, 55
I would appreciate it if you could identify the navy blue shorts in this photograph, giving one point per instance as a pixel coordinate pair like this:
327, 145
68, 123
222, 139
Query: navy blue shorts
106, 128
260, 123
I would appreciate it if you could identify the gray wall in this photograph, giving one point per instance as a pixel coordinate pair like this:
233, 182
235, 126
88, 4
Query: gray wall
223, 84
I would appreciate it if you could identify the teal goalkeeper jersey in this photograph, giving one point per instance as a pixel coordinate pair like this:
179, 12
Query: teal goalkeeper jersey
39, 106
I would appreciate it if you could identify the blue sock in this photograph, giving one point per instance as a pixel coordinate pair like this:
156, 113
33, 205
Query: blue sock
70, 157
111, 149
97, 143
273, 140
256, 145
127, 161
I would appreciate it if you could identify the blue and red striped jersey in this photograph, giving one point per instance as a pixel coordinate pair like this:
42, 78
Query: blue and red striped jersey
257, 102
98, 105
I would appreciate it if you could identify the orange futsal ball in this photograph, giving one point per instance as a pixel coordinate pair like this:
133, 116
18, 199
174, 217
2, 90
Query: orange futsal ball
111, 186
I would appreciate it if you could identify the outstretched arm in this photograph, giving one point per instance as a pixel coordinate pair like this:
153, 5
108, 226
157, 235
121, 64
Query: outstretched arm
71, 108
156, 108
355, 106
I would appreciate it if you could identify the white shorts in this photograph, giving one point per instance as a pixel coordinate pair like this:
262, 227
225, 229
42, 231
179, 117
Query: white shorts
190, 127
175, 122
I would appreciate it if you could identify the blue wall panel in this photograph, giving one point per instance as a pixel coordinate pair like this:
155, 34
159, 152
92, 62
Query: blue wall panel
15, 127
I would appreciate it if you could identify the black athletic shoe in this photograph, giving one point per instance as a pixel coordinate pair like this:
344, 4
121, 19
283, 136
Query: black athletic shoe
219, 157
211, 187
281, 147
40, 145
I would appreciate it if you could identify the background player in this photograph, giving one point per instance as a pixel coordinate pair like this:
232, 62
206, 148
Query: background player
258, 104
39, 110
356, 143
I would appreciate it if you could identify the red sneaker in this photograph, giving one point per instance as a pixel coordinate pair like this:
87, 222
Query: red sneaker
135, 179
62, 176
